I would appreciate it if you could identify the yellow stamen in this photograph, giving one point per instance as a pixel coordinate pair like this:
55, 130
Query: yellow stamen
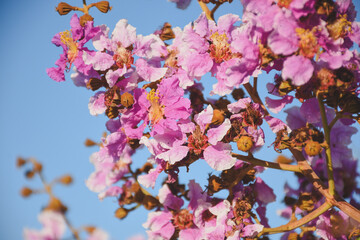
156, 111
220, 48
72, 46
308, 43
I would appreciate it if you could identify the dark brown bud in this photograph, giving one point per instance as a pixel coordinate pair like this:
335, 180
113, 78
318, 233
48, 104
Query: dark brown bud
26, 192
238, 93
214, 184
250, 176
146, 167
127, 100
112, 112
63, 8
150, 202
166, 32
103, 6
312, 148
89, 143
29, 174
121, 213
350, 103
20, 162
218, 117
285, 87
94, 84
245, 143
85, 18
66, 180
56, 205
306, 202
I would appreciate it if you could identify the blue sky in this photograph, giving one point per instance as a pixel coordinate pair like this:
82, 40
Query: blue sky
49, 121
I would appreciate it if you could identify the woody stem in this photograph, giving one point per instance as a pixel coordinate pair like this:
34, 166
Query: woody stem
326, 128
206, 10
259, 162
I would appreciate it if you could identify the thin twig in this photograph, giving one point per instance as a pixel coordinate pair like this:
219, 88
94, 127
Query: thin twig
263, 163
298, 223
206, 10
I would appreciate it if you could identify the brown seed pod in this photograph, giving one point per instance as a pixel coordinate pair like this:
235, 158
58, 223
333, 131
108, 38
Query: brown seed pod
63, 8
103, 6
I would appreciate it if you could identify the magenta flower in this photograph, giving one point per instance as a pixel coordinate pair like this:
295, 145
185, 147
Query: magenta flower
72, 43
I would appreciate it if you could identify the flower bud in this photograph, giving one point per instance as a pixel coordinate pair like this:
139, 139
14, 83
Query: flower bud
95, 83
85, 18
245, 143
56, 205
312, 148
26, 192
112, 112
37, 167
29, 174
214, 184
306, 202
66, 180
89, 143
127, 100
146, 167
63, 8
121, 213
103, 6
90, 229
20, 162
218, 117
166, 32
238, 93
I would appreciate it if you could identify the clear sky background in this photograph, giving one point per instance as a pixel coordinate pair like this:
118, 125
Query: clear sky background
49, 121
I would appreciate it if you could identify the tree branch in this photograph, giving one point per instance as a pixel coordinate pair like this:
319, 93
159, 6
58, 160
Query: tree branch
298, 223
335, 200
259, 162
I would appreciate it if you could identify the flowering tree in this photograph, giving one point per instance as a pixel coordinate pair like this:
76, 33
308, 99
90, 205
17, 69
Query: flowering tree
151, 89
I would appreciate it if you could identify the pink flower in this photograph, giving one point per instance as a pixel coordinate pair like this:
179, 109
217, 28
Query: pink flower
54, 227
72, 43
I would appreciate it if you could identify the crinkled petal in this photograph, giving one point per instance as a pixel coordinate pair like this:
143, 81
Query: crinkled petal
219, 156
299, 69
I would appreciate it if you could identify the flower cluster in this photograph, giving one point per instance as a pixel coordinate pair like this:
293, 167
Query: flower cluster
150, 88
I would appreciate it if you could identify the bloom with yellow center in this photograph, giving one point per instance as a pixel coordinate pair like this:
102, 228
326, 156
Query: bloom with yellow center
308, 44
123, 57
156, 110
71, 44
220, 47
